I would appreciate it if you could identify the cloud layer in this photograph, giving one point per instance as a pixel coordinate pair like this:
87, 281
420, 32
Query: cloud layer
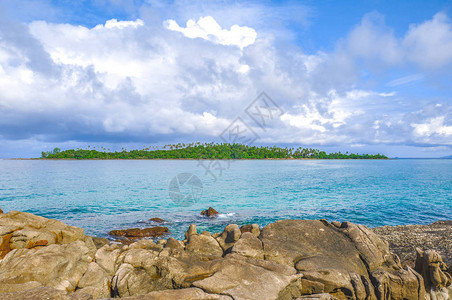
151, 80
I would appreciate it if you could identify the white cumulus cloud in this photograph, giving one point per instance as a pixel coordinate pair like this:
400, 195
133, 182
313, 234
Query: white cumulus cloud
207, 28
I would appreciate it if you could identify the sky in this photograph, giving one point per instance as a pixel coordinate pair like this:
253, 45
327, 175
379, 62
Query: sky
358, 76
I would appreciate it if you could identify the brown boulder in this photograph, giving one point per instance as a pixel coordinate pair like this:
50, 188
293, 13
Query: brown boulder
139, 233
210, 212
157, 220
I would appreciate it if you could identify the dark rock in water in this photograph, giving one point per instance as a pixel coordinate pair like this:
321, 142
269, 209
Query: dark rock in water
137, 233
210, 212
157, 220
1, 211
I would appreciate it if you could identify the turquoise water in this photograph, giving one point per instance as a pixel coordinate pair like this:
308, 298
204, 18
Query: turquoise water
103, 195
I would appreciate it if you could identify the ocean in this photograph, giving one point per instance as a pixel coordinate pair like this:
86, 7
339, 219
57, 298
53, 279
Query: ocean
102, 195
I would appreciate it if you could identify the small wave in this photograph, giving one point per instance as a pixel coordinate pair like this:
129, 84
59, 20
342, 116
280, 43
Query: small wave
228, 215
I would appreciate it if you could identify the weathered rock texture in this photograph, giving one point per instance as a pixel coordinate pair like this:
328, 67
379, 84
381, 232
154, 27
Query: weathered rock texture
436, 280
403, 240
36, 251
290, 259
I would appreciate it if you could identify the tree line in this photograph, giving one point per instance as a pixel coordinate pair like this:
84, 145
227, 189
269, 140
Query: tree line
205, 151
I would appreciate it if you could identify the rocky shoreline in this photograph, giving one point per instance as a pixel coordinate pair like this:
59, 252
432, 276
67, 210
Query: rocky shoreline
289, 259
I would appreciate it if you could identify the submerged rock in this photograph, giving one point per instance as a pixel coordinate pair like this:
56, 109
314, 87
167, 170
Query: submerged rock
138, 233
210, 212
157, 220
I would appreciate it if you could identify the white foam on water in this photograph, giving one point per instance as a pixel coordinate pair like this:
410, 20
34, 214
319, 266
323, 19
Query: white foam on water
226, 215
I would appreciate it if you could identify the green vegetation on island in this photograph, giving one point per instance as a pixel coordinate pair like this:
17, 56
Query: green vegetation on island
206, 151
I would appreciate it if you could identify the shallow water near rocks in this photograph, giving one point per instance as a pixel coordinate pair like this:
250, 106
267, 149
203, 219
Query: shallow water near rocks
103, 195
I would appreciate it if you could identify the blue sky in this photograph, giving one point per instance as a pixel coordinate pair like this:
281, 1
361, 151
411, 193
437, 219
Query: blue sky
368, 76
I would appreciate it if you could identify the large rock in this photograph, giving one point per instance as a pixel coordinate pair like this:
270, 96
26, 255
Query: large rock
436, 280
191, 231
58, 266
249, 245
346, 261
310, 245
142, 271
386, 273
242, 280
107, 256
253, 228
229, 236
95, 282
403, 240
19, 230
203, 246
210, 212
290, 259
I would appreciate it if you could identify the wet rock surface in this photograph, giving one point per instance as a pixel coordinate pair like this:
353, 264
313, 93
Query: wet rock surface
288, 259
210, 212
139, 233
157, 220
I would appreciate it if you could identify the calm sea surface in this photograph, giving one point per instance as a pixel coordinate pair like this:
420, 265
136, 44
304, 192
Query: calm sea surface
103, 195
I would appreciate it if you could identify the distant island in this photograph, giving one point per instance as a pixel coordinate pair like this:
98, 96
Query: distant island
206, 151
